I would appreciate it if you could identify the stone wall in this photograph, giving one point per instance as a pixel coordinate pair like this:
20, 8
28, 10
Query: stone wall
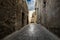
34, 17
21, 15
50, 15
53, 16
11, 16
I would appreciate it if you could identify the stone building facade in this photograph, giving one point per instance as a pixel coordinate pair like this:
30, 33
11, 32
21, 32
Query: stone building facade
49, 14
13, 16
34, 17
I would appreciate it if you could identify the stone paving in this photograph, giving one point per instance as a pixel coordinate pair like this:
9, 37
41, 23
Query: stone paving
32, 32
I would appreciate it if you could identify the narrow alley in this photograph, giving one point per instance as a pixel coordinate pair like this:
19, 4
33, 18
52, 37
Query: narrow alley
32, 32
29, 19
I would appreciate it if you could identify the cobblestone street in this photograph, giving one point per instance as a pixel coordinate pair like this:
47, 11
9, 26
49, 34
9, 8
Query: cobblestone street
32, 32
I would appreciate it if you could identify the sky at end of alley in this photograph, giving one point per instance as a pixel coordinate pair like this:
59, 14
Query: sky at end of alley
31, 5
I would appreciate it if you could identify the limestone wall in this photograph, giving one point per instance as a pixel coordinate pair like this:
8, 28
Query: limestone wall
53, 15
11, 16
50, 15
